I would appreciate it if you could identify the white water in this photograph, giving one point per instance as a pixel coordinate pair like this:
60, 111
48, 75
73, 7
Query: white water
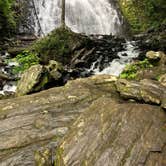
85, 16
117, 65
9, 86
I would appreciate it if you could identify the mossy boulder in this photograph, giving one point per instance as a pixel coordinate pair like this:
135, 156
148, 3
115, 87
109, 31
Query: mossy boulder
32, 80
59, 45
55, 69
151, 67
39, 77
109, 133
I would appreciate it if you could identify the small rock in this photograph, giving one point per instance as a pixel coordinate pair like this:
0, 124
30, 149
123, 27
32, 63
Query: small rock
4, 76
152, 55
55, 69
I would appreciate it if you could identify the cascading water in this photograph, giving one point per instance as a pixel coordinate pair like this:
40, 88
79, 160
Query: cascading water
118, 64
89, 17
84, 16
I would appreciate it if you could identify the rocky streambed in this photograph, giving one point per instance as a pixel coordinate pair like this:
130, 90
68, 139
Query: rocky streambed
7, 78
103, 55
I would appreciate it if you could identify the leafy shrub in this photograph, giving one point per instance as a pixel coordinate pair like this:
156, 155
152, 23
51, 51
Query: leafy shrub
144, 14
25, 60
130, 71
7, 19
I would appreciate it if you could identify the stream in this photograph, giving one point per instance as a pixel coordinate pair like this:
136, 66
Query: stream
7, 78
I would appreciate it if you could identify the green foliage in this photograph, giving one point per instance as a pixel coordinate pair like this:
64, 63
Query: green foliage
7, 20
57, 46
130, 71
143, 14
25, 60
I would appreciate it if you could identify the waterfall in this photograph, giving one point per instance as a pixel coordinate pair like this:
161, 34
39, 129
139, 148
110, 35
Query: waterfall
84, 16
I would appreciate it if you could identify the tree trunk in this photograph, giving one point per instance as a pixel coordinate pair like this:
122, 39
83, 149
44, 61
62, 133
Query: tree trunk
63, 14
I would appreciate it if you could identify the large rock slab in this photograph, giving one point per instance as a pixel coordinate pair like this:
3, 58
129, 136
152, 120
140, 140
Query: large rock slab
97, 126
31, 122
109, 133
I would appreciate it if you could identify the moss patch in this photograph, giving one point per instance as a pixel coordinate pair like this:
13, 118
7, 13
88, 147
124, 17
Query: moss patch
130, 71
58, 45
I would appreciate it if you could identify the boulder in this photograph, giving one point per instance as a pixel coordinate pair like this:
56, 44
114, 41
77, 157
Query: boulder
32, 80
1, 62
149, 91
39, 77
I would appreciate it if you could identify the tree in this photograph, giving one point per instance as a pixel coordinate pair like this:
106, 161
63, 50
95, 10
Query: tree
63, 14
7, 19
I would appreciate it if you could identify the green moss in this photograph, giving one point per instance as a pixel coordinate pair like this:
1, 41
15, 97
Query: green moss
7, 17
143, 14
25, 60
130, 71
57, 46
58, 157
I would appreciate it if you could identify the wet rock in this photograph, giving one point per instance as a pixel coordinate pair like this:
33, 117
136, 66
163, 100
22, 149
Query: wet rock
149, 91
13, 51
32, 80
1, 62
4, 76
